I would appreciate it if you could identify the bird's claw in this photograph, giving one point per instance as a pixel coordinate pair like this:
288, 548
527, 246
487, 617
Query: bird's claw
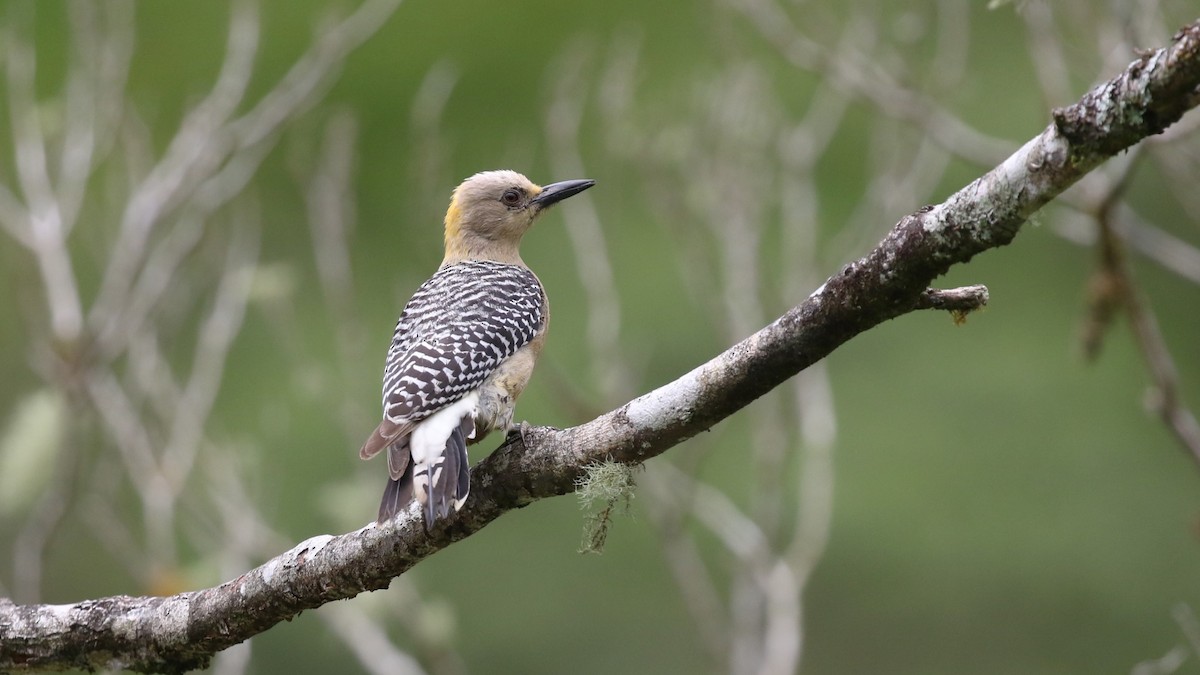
519, 431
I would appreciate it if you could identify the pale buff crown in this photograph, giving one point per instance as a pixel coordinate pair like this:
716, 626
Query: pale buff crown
489, 213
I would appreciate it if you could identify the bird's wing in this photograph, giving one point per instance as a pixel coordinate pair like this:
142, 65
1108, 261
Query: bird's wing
457, 328
383, 436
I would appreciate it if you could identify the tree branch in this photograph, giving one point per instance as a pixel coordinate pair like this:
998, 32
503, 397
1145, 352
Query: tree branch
183, 631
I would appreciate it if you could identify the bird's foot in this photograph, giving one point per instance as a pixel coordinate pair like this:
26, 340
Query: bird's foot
521, 431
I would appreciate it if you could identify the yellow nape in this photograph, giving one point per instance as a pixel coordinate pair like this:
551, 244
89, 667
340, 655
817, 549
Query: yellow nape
453, 218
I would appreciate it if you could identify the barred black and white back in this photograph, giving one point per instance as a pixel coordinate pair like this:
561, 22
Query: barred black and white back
455, 331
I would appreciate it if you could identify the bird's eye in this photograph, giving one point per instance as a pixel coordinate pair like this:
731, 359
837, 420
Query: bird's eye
511, 197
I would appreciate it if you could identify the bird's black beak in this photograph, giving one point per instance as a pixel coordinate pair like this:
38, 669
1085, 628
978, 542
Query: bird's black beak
556, 192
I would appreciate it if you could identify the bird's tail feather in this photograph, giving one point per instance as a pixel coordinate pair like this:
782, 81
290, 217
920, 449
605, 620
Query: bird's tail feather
396, 495
450, 484
440, 485
467, 429
399, 455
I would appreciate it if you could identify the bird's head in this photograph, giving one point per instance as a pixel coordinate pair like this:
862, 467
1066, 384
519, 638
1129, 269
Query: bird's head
490, 212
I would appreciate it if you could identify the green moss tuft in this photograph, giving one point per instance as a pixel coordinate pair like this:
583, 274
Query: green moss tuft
606, 485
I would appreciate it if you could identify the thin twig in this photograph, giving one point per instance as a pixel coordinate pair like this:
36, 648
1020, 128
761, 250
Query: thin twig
1114, 288
963, 299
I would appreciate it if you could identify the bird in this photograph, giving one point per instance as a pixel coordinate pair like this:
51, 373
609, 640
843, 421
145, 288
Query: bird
465, 344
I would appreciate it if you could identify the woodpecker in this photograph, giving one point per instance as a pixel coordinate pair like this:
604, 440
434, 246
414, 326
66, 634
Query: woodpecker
465, 344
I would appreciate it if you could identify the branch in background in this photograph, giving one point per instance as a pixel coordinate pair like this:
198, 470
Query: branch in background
747, 625
1114, 289
117, 354
184, 631
752, 146
860, 76
1163, 248
562, 122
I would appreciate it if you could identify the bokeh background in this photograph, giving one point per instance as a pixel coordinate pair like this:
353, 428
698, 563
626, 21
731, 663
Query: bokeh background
214, 212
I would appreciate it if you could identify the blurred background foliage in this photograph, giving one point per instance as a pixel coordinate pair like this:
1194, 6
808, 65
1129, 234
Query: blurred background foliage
984, 499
